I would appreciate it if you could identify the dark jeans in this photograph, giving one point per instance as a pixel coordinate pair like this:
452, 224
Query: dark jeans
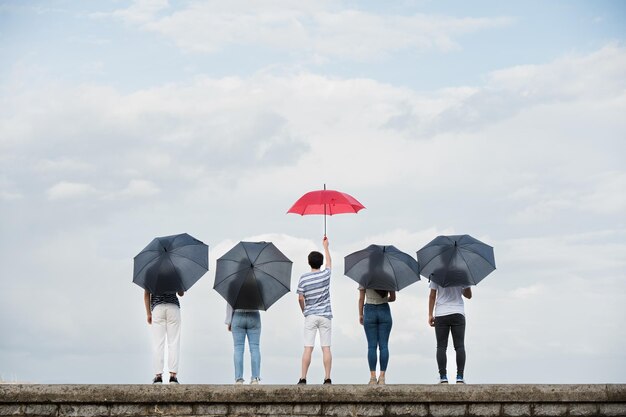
444, 325
377, 323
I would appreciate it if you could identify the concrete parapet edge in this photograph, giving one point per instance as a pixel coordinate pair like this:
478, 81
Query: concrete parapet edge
292, 394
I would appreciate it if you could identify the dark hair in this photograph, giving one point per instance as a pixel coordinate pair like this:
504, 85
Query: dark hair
382, 293
315, 260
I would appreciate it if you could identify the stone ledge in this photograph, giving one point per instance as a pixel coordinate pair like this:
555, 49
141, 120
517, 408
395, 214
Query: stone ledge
319, 394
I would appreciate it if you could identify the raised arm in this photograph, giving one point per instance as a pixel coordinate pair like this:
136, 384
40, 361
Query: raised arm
329, 262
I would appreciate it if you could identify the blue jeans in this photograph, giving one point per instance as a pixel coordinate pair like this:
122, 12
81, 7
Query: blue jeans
377, 323
247, 324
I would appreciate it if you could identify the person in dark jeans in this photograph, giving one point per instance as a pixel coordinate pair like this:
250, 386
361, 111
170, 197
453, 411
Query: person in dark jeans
375, 316
449, 317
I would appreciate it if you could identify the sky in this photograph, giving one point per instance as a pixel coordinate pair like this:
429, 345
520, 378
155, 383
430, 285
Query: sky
125, 120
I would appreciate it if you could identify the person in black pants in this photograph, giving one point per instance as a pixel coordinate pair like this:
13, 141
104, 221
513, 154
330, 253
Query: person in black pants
449, 317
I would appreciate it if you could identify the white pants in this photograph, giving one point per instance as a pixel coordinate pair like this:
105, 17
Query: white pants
165, 324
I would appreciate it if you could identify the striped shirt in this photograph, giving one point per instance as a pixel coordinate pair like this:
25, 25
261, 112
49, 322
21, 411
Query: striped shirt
155, 300
315, 286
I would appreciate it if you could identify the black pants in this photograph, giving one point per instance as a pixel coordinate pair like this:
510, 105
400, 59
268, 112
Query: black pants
444, 325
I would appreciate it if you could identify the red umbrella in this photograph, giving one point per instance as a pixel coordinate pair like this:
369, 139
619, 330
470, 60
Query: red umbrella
326, 202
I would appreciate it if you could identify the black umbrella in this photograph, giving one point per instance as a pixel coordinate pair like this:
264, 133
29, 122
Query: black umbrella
459, 260
170, 264
252, 275
382, 268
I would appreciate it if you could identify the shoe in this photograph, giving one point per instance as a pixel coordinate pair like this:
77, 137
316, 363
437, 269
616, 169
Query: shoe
157, 380
459, 379
302, 381
327, 381
239, 382
254, 381
381, 380
173, 379
443, 379
372, 381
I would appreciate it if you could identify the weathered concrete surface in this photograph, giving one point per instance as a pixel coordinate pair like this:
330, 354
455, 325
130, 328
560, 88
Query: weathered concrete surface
129, 394
312, 400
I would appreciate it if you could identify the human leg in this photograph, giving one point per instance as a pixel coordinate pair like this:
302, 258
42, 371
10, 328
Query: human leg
254, 341
458, 339
159, 335
173, 337
370, 325
328, 361
442, 332
310, 331
239, 340
325, 329
306, 361
385, 323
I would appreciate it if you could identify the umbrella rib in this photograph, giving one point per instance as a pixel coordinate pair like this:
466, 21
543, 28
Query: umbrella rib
260, 252
393, 269
229, 275
438, 255
186, 257
486, 260
258, 290
271, 262
144, 267
468, 269
169, 258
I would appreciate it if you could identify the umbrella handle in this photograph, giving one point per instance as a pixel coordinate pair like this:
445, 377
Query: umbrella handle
324, 214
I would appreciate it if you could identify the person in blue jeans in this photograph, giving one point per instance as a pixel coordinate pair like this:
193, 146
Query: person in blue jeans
375, 316
245, 323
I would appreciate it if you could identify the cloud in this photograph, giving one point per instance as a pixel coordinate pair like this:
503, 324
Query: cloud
305, 28
586, 78
136, 188
69, 190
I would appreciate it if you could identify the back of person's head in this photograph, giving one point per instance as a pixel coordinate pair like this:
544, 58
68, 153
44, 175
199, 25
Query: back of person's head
315, 260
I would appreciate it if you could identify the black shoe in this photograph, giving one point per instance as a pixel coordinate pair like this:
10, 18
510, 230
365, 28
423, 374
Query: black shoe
302, 381
157, 380
173, 379
327, 381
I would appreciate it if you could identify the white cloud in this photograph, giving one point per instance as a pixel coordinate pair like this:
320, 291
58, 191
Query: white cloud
306, 28
69, 190
137, 188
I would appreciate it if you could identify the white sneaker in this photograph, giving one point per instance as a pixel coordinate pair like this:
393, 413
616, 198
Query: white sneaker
254, 381
239, 382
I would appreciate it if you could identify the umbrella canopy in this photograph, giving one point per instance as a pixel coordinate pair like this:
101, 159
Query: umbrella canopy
459, 260
253, 275
382, 268
326, 202
170, 264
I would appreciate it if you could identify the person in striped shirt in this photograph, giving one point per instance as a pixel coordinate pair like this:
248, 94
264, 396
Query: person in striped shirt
163, 315
314, 298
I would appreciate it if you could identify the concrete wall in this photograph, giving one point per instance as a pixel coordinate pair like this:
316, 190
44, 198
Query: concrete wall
312, 400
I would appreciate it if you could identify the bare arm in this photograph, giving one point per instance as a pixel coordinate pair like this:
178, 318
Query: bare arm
301, 302
392, 296
431, 306
146, 302
467, 293
329, 262
361, 304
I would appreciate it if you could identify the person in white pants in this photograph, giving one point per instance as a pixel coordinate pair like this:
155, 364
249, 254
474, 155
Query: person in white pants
163, 313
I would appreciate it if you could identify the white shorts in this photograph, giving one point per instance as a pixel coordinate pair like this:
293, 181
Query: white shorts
314, 323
